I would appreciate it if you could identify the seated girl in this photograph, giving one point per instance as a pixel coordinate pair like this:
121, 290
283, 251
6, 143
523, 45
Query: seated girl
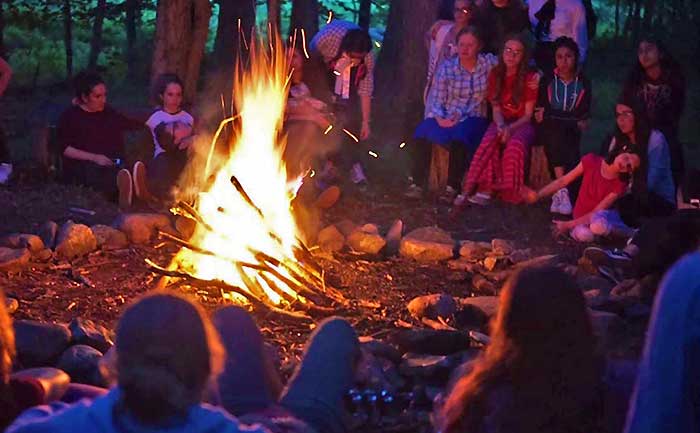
604, 181
562, 113
456, 118
498, 167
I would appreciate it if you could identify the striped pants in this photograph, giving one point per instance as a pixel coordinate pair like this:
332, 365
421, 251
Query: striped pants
498, 168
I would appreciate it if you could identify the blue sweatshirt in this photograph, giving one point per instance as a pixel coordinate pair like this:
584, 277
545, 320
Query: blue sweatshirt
98, 416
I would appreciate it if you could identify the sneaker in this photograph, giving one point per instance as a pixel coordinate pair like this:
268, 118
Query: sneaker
126, 190
5, 173
357, 175
565, 202
414, 191
603, 257
480, 199
140, 185
328, 197
556, 203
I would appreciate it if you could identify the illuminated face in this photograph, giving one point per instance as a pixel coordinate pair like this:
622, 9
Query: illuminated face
172, 97
96, 99
648, 54
625, 118
513, 53
468, 46
462, 12
566, 60
627, 162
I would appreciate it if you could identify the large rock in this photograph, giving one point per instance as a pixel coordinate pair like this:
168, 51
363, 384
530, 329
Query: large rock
502, 247
75, 240
430, 341
13, 260
432, 306
48, 233
87, 332
366, 239
330, 239
140, 228
82, 363
427, 244
39, 344
471, 250
346, 227
21, 240
487, 304
109, 238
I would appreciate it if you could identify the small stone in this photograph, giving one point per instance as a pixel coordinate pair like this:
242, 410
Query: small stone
39, 344
11, 305
140, 228
427, 244
464, 264
44, 255
21, 240
14, 260
346, 227
483, 286
82, 363
487, 304
502, 247
48, 233
393, 237
430, 341
87, 332
185, 226
109, 238
490, 263
330, 239
519, 256
75, 240
474, 250
366, 239
432, 306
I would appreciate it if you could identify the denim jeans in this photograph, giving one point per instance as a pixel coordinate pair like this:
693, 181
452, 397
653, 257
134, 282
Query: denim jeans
315, 391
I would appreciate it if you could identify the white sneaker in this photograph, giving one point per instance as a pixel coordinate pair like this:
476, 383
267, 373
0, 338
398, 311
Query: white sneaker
565, 202
556, 202
357, 175
5, 173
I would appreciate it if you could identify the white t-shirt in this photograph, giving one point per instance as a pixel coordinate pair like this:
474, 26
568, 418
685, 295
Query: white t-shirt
160, 116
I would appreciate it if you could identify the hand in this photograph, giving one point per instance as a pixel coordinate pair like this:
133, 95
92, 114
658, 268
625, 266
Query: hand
446, 123
561, 227
539, 114
365, 131
582, 125
529, 195
102, 161
504, 133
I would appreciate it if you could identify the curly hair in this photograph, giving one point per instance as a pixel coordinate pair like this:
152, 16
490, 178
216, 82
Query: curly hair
542, 352
523, 69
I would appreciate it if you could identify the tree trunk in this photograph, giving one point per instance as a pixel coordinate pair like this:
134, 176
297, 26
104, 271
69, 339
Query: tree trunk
68, 37
305, 16
133, 16
402, 67
228, 38
617, 18
365, 14
636, 22
96, 41
273, 13
649, 10
182, 27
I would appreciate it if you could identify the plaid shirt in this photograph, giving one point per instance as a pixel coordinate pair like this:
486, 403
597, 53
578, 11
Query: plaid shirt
458, 92
327, 43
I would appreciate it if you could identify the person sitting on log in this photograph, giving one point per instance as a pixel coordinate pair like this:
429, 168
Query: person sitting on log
457, 113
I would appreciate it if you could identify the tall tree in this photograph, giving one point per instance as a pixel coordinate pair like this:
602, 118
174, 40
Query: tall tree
402, 66
228, 37
305, 16
96, 40
133, 16
365, 14
67, 13
182, 27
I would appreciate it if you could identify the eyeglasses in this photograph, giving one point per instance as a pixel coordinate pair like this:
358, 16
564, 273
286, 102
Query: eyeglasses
512, 52
625, 114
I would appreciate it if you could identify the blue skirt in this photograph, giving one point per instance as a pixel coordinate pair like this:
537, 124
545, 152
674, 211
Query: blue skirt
468, 132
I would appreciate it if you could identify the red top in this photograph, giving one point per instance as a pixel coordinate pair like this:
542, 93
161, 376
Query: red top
595, 187
512, 111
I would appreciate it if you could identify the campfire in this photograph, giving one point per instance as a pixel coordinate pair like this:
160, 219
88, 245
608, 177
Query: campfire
246, 240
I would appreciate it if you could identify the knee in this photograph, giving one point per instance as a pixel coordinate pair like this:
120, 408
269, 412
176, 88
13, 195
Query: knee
232, 317
582, 234
335, 328
600, 228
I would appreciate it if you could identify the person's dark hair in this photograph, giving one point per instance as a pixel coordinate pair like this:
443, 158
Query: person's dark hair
567, 42
166, 351
471, 30
84, 82
355, 41
541, 355
523, 69
642, 132
162, 83
668, 63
